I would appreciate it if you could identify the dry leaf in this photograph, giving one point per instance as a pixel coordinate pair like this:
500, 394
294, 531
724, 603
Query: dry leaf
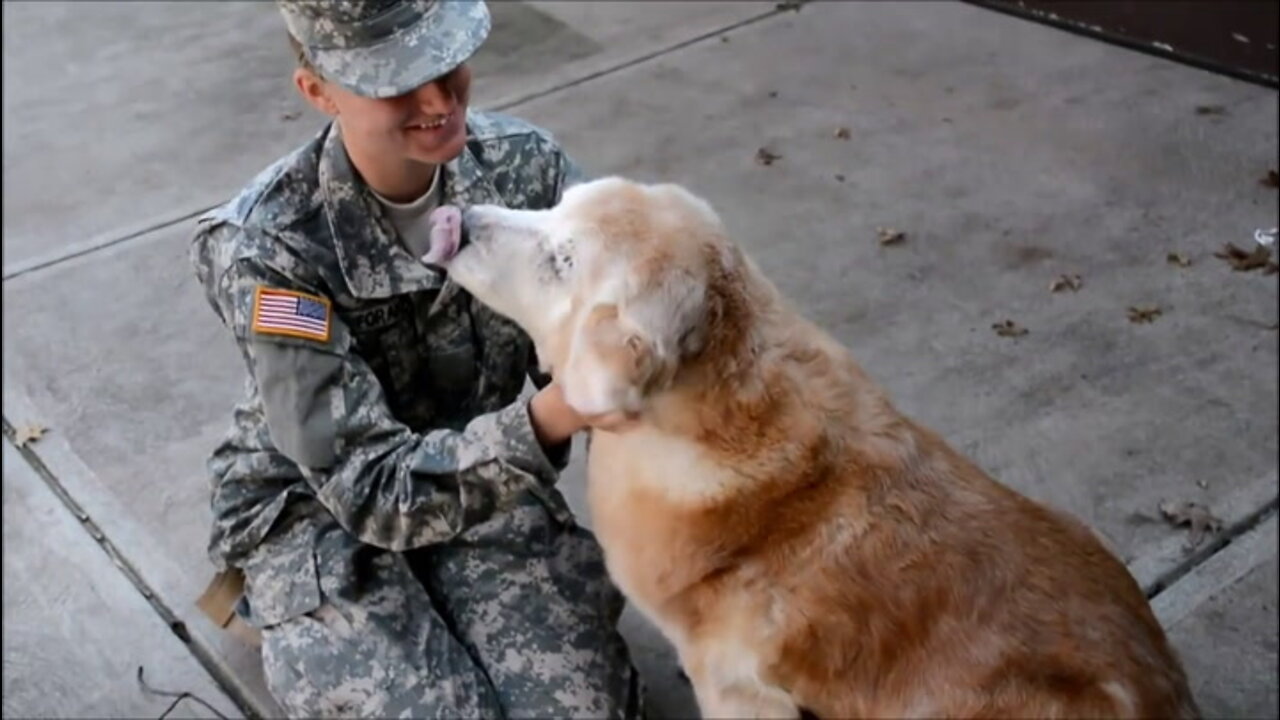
842, 133
291, 115
1144, 314
1243, 261
890, 236
1066, 282
1210, 110
1192, 514
28, 434
1272, 180
766, 157
1008, 328
1177, 258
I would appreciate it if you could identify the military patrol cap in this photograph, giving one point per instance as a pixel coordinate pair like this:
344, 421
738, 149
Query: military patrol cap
384, 48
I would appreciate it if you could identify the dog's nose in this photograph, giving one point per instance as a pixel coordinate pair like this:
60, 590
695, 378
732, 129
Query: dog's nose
464, 232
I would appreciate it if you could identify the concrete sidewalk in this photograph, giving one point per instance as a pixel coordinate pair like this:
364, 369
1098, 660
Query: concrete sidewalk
1009, 153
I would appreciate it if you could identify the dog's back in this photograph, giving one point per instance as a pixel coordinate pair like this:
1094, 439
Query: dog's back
867, 567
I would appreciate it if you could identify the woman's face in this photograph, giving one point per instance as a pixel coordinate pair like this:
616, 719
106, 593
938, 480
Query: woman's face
426, 125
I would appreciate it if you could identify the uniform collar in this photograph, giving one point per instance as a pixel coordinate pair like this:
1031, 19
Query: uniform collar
373, 260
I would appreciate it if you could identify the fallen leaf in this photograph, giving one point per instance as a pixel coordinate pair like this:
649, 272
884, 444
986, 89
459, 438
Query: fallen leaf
1008, 328
28, 434
1144, 314
842, 133
839, 177
1066, 282
1210, 110
1272, 180
1242, 260
766, 157
291, 116
1177, 258
890, 236
1192, 514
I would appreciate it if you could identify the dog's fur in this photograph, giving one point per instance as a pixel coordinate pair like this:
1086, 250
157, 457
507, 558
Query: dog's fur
802, 544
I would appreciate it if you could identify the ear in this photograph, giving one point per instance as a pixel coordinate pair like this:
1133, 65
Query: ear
619, 356
608, 362
313, 90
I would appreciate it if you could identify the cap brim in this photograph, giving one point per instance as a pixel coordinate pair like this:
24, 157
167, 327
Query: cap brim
412, 57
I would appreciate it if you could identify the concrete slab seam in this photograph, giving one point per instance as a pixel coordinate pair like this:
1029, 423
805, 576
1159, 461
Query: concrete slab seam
202, 655
508, 104
1204, 553
1216, 574
100, 243
107, 240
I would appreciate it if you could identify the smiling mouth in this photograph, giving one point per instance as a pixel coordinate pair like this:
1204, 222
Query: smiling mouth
434, 124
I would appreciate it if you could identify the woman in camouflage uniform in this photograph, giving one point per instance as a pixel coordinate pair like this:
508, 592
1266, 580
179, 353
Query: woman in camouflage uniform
388, 495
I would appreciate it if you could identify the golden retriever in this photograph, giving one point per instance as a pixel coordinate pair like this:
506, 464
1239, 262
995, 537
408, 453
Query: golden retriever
803, 545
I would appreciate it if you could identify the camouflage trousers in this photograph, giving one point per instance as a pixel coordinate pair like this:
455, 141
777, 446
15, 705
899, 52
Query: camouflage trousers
515, 619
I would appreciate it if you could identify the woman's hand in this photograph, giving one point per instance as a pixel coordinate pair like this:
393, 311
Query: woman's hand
555, 421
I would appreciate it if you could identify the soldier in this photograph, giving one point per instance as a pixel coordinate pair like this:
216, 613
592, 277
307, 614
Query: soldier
387, 494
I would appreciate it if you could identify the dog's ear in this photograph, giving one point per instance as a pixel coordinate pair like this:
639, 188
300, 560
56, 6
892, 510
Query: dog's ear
621, 354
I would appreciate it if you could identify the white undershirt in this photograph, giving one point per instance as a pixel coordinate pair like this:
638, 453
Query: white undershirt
410, 219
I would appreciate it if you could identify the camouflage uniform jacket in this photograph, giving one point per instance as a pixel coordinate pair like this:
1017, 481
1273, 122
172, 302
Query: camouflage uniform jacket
396, 412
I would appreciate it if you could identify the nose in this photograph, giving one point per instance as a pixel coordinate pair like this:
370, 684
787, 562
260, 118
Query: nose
435, 97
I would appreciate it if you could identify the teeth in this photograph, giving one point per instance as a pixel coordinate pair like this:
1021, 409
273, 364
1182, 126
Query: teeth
433, 125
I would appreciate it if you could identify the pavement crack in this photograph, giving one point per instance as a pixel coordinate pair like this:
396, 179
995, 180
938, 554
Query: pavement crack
1210, 548
170, 618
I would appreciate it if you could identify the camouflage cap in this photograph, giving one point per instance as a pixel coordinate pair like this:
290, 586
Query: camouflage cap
384, 48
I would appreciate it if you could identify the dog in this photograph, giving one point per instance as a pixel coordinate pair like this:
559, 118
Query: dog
803, 545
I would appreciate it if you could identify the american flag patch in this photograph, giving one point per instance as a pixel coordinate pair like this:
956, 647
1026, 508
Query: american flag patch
285, 312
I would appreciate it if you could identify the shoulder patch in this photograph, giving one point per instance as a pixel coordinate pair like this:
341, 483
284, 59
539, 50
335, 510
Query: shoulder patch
287, 312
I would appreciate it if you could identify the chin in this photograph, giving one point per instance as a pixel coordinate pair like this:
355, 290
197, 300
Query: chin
441, 152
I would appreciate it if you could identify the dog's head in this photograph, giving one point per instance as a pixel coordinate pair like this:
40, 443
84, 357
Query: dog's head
613, 284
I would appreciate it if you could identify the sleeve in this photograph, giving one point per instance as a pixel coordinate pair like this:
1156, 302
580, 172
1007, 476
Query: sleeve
570, 173
325, 410
562, 173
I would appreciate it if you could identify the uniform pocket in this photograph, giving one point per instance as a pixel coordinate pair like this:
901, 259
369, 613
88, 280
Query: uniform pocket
453, 370
281, 586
